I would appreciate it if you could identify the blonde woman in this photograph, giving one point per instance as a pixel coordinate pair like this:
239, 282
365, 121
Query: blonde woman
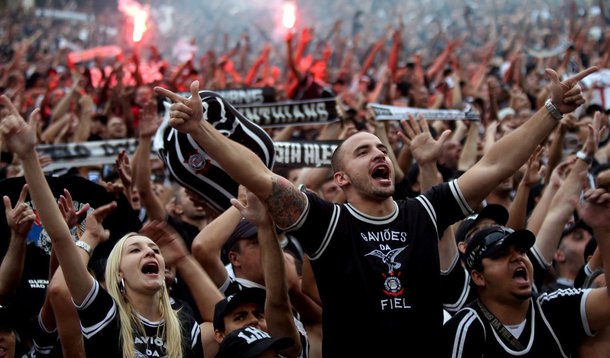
133, 318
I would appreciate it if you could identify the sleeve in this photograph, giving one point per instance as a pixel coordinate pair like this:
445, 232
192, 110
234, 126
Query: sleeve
316, 224
455, 288
464, 335
541, 268
445, 203
565, 312
43, 339
97, 312
191, 333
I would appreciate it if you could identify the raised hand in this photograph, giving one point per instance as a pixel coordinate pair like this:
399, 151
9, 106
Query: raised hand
113, 188
595, 209
21, 217
94, 230
185, 113
532, 173
19, 136
66, 206
149, 120
252, 209
124, 169
593, 136
566, 95
424, 147
169, 241
561, 171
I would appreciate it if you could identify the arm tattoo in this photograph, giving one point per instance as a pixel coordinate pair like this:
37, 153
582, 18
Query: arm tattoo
286, 202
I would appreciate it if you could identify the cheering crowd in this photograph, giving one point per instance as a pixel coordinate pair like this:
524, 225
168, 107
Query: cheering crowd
459, 193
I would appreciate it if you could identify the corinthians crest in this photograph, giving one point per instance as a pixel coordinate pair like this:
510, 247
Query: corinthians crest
392, 285
198, 162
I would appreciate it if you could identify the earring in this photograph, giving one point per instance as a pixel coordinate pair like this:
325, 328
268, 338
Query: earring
122, 285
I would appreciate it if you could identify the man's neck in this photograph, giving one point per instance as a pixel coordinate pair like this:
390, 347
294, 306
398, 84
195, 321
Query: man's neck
507, 313
374, 208
500, 198
198, 223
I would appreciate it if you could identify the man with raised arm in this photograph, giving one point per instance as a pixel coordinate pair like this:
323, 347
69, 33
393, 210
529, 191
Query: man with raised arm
376, 259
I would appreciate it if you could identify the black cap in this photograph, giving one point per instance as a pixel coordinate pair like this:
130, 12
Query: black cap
8, 319
495, 212
243, 230
488, 241
250, 342
227, 304
579, 224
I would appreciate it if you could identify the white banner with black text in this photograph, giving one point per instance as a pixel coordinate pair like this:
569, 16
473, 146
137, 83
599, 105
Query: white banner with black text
385, 112
94, 153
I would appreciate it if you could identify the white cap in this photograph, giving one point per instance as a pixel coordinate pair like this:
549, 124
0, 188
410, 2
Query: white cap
504, 112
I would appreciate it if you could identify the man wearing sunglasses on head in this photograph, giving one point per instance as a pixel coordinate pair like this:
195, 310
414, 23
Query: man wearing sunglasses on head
508, 319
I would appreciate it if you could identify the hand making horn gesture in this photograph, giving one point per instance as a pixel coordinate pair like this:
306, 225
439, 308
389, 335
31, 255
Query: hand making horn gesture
185, 113
566, 95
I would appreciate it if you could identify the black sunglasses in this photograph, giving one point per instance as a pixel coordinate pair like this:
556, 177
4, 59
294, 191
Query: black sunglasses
492, 238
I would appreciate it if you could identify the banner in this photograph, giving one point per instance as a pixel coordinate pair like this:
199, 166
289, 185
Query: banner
544, 53
247, 96
244, 96
395, 113
280, 114
287, 154
292, 113
86, 153
65, 15
304, 154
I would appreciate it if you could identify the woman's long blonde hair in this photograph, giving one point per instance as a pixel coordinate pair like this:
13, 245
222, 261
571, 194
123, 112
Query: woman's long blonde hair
128, 317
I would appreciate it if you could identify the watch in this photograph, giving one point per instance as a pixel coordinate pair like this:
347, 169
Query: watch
584, 157
553, 111
85, 246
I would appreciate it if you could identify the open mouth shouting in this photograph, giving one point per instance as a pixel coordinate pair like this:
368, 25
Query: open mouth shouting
521, 277
381, 174
151, 269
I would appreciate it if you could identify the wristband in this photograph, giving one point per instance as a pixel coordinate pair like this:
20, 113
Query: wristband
83, 245
584, 157
553, 111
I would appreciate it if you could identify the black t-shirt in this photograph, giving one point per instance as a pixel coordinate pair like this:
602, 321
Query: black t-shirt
45, 343
555, 324
100, 326
379, 277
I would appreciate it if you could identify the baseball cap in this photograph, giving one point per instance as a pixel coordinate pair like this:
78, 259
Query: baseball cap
489, 241
243, 230
505, 112
495, 212
227, 304
579, 224
8, 320
250, 342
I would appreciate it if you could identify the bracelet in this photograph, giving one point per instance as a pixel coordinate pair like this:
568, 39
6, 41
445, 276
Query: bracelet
584, 157
553, 111
85, 246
